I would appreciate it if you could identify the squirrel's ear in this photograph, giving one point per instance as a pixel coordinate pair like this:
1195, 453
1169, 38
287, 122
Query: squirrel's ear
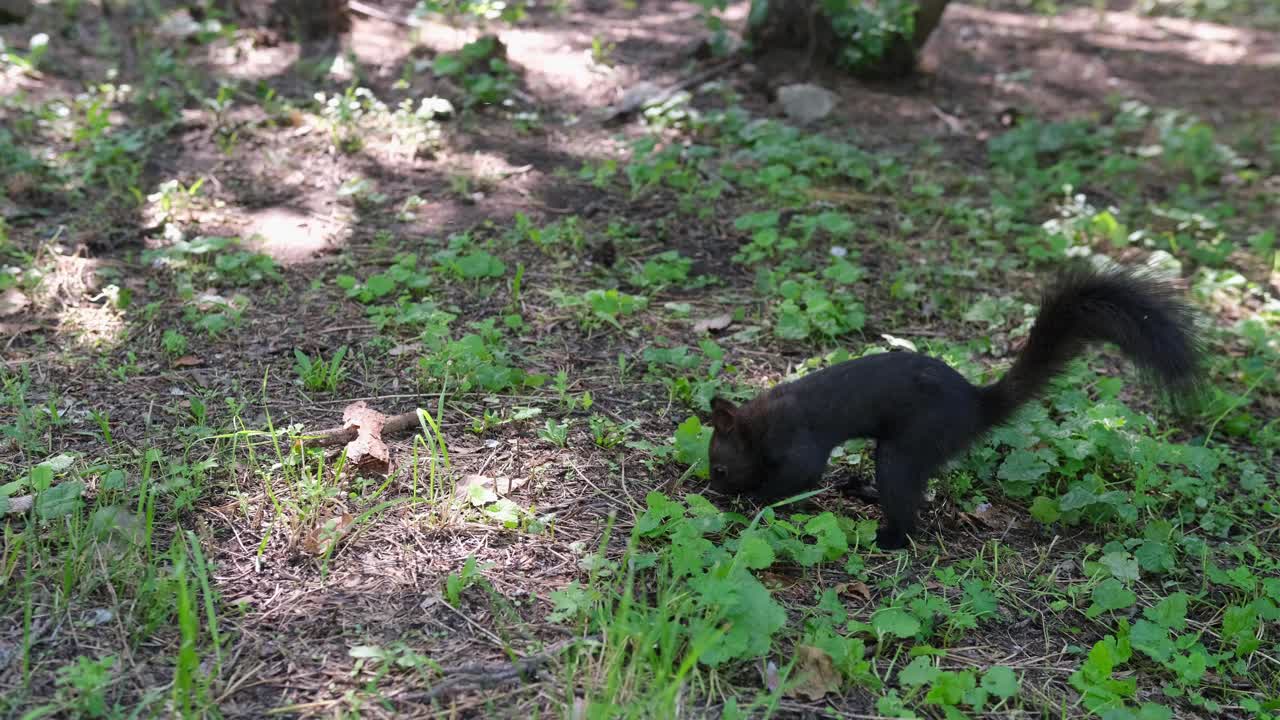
723, 417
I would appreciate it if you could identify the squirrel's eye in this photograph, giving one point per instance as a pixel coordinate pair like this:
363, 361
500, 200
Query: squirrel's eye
719, 472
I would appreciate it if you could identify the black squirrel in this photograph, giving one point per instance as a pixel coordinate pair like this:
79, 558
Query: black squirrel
922, 413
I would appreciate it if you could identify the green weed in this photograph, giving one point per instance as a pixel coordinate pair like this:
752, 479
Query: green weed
318, 374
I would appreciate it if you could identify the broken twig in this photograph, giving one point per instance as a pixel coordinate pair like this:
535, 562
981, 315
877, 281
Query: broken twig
376, 14
474, 676
347, 433
362, 430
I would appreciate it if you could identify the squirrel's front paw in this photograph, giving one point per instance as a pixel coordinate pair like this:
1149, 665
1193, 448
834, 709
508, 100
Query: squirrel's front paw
891, 539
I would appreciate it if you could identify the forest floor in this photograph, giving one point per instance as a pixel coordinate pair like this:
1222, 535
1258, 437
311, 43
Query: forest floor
215, 242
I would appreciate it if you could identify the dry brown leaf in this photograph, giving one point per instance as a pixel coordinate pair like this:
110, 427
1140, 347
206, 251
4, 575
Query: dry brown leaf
855, 588
537, 460
506, 486
499, 486
715, 322
815, 674
12, 302
464, 485
367, 453
188, 361
989, 516
327, 534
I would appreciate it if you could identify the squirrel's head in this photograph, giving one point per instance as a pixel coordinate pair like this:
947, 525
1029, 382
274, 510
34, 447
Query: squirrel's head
737, 463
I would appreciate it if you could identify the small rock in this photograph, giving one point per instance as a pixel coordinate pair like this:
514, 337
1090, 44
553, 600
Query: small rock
710, 47
899, 343
99, 616
435, 108
636, 96
177, 26
806, 103
709, 324
772, 677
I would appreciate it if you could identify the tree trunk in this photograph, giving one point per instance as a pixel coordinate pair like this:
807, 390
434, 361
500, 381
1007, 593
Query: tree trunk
304, 20
805, 24
928, 15
313, 19
14, 11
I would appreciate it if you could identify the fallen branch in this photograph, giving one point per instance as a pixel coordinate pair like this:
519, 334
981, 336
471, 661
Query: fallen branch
347, 433
477, 676
362, 430
629, 105
376, 14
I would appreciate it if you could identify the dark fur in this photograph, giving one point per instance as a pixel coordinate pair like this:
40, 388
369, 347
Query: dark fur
923, 413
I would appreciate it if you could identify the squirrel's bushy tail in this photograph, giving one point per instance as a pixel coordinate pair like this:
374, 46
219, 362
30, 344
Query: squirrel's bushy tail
1142, 314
